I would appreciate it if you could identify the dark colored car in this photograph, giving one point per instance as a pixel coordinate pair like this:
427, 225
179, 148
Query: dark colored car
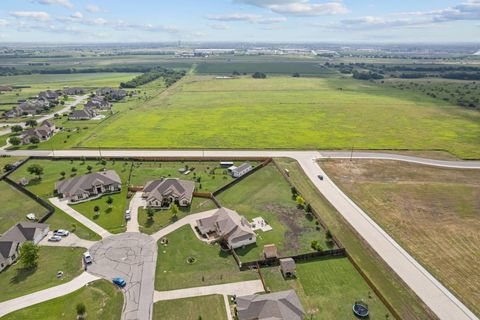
320, 177
119, 282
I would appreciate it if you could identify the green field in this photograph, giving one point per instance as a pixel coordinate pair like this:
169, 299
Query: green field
286, 112
102, 301
207, 307
162, 218
327, 289
266, 194
111, 219
16, 281
15, 206
212, 266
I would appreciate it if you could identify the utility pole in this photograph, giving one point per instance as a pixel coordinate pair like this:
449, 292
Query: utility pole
351, 153
100, 152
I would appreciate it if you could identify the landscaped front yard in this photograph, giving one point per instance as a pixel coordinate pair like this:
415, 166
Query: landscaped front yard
206, 307
15, 206
101, 298
266, 194
16, 281
210, 265
162, 218
327, 289
111, 219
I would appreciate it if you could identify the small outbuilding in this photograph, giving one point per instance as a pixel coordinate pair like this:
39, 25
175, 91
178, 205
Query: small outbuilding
270, 251
288, 267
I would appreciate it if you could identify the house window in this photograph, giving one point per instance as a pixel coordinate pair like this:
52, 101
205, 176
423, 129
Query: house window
1, 266
13, 257
250, 239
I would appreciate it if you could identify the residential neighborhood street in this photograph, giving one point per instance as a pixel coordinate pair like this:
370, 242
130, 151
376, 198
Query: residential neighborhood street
441, 301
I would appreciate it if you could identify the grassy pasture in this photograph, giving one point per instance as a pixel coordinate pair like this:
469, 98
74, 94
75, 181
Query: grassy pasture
207, 307
285, 112
432, 212
327, 289
266, 194
15, 206
212, 266
16, 281
101, 298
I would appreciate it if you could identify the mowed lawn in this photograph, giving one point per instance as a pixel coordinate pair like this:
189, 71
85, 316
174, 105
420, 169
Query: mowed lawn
111, 219
266, 194
211, 266
327, 289
432, 212
15, 207
101, 298
286, 112
207, 307
16, 281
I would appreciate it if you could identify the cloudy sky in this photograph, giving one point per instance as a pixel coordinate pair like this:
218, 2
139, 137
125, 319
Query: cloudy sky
436, 21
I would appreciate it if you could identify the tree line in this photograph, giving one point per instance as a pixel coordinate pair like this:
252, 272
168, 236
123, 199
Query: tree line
170, 76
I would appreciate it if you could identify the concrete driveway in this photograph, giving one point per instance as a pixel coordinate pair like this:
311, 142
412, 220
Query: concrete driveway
71, 241
131, 256
135, 203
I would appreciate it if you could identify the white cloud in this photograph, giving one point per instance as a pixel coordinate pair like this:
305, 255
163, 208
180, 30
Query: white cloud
219, 26
63, 3
77, 15
298, 7
3, 23
100, 21
34, 15
93, 8
252, 18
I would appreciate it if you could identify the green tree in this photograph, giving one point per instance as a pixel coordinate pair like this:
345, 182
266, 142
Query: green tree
8, 167
35, 169
16, 128
294, 191
150, 213
63, 173
96, 209
31, 123
74, 169
81, 310
15, 141
308, 208
34, 140
174, 211
110, 201
29, 255
300, 201
89, 168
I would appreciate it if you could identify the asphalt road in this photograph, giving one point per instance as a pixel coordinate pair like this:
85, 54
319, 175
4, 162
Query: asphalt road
438, 298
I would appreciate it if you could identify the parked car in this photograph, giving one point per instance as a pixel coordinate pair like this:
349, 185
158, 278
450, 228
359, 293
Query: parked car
320, 177
128, 214
119, 282
55, 238
31, 216
61, 232
87, 258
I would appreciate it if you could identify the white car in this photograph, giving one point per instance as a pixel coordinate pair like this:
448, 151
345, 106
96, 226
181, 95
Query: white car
31, 216
55, 238
61, 233
127, 214
87, 258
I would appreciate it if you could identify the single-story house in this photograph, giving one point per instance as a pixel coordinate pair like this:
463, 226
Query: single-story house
11, 240
229, 226
73, 91
90, 185
283, 305
5, 88
288, 267
163, 192
49, 95
112, 94
84, 114
241, 170
270, 251
43, 132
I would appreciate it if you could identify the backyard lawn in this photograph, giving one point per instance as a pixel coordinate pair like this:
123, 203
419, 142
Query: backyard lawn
427, 210
206, 307
266, 194
112, 220
16, 281
15, 207
163, 218
210, 266
327, 289
102, 301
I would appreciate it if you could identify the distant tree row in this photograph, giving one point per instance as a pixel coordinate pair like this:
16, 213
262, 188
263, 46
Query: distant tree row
259, 75
12, 71
171, 76
366, 75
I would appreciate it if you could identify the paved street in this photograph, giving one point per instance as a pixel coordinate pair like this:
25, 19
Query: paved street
45, 295
242, 288
63, 205
131, 256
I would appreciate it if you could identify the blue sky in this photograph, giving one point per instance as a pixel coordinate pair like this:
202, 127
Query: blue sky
435, 21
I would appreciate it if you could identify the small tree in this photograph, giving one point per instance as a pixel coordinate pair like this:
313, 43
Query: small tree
150, 213
15, 141
300, 201
89, 168
81, 309
31, 123
8, 167
294, 191
16, 128
29, 255
174, 210
96, 209
63, 173
109, 201
74, 169
35, 169
308, 208
34, 140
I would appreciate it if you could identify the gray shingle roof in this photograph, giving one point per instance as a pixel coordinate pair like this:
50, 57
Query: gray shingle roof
158, 189
19, 233
79, 185
242, 167
283, 305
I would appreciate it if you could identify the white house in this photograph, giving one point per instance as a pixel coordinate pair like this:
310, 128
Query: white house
243, 169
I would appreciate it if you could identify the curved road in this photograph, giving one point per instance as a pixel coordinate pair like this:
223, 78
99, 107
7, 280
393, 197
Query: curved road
438, 298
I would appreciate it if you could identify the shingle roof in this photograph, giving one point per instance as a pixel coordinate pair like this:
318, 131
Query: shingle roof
242, 167
19, 233
283, 305
158, 189
79, 185
287, 264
